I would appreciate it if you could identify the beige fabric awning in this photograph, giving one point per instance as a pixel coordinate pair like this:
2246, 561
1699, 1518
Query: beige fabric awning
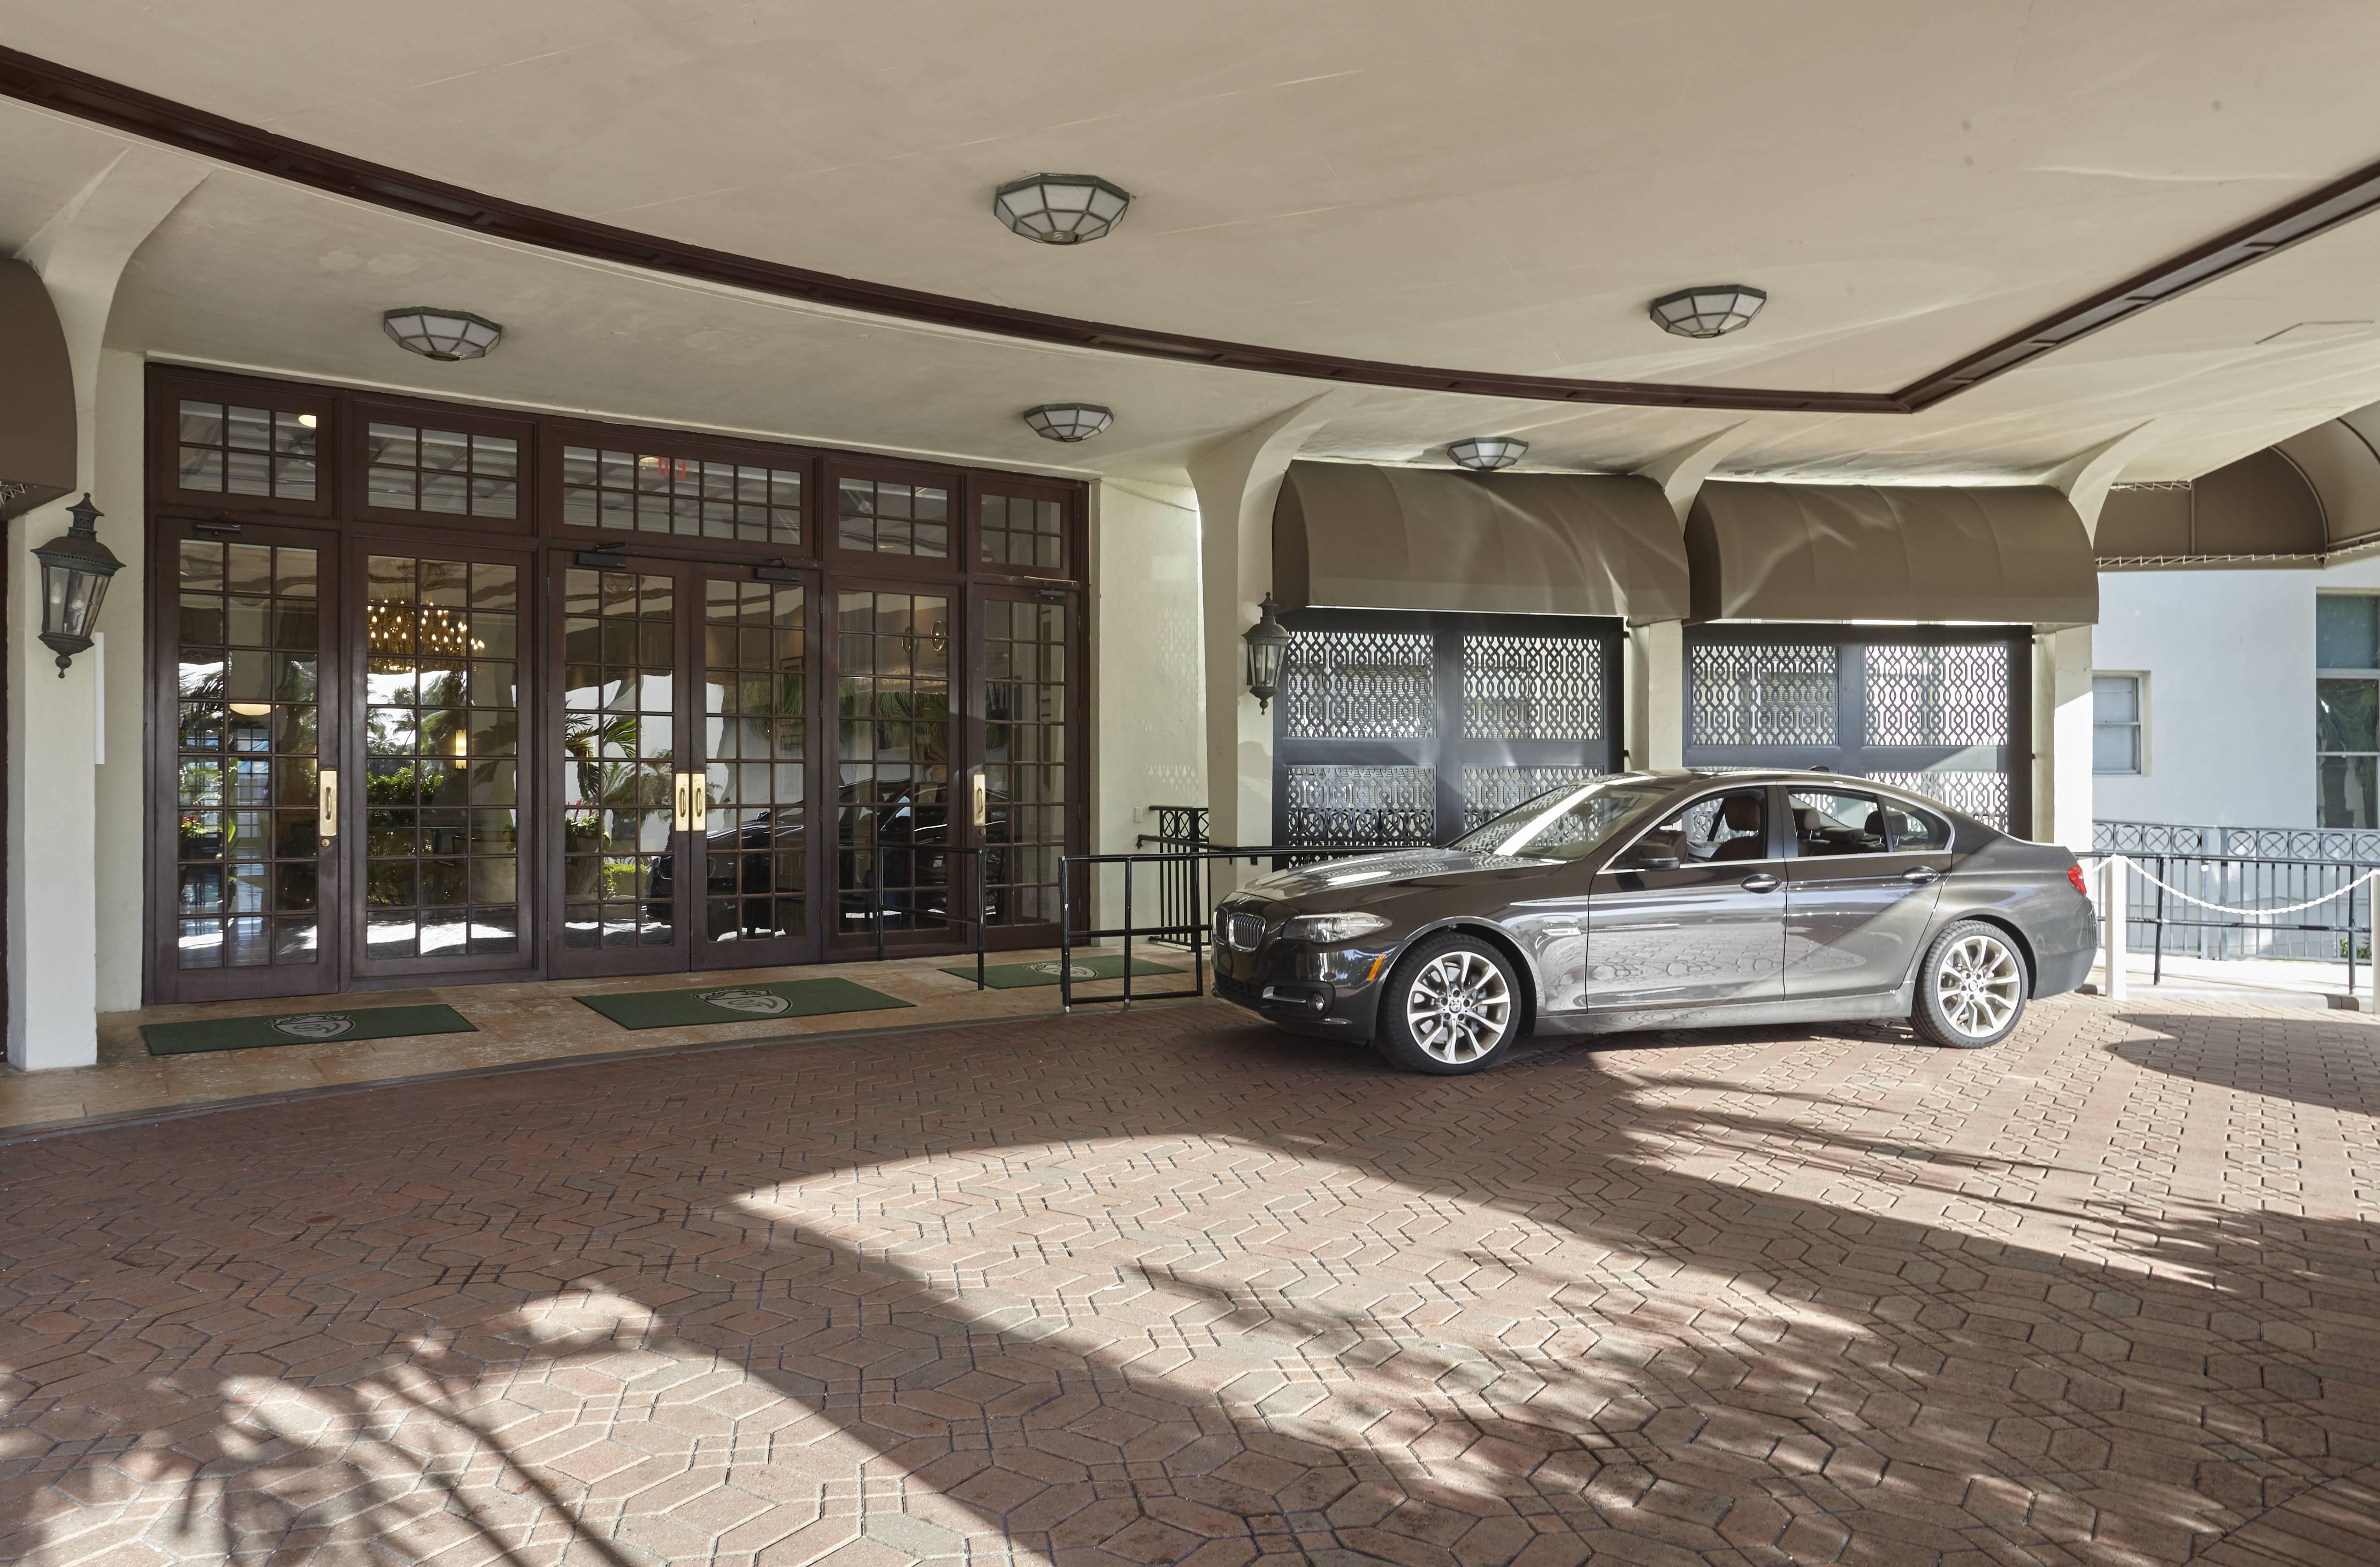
2013, 555
1348, 536
37, 401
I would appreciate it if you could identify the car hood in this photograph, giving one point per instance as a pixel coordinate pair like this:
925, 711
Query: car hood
1396, 872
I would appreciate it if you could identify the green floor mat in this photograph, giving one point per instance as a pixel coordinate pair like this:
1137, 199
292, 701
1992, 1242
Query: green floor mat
302, 1028
738, 1003
1087, 965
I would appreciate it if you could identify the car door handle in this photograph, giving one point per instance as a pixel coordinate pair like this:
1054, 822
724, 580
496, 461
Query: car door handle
1918, 874
1760, 882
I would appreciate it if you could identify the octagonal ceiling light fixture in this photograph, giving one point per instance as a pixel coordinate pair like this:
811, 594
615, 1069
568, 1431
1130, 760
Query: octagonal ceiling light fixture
1713, 311
1069, 422
1060, 209
1485, 454
441, 334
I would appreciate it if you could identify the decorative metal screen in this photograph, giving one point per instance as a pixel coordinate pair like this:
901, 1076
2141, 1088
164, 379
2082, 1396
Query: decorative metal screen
1532, 688
1763, 694
1359, 686
1490, 792
1407, 728
1919, 696
1941, 713
1362, 805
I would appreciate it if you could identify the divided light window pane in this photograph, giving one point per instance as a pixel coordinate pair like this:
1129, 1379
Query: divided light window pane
688, 497
2347, 631
223, 449
413, 468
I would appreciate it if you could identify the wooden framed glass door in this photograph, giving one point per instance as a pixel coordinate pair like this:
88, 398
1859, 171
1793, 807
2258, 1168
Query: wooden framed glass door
1024, 718
437, 759
894, 740
679, 778
245, 833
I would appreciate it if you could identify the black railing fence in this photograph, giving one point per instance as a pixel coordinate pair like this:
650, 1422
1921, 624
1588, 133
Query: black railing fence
2234, 906
2348, 845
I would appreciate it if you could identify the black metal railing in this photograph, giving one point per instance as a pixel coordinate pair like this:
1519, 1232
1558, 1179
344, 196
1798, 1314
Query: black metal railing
1186, 904
2163, 920
2140, 838
1180, 829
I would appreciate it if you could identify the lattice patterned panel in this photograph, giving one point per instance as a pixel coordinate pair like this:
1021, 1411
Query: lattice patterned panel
1359, 686
1362, 805
1938, 696
1763, 694
1490, 792
1984, 795
1533, 688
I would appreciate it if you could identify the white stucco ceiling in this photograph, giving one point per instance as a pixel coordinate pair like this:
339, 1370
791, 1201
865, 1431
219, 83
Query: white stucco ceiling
1500, 187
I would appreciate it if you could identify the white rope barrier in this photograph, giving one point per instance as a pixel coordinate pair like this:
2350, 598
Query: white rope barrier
2133, 865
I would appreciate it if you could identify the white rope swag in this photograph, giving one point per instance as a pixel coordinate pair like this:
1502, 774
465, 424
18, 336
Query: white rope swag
2133, 865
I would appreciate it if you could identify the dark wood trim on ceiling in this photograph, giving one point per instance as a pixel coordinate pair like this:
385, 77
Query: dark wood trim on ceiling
83, 96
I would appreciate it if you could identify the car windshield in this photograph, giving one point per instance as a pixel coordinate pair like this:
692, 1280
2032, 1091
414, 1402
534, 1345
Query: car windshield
1563, 824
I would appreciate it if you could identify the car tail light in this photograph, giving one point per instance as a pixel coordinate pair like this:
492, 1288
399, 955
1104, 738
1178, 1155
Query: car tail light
2074, 874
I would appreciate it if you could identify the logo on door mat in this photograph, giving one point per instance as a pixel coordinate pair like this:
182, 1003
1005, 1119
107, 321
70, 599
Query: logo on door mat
1078, 972
314, 1024
760, 1003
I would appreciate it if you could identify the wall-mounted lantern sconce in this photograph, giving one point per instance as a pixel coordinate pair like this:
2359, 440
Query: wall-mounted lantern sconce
1268, 642
74, 569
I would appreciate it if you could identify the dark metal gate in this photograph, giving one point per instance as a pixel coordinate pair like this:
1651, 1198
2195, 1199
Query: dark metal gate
1945, 710
1398, 728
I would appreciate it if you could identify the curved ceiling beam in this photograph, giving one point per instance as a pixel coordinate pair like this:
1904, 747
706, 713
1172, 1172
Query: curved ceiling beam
127, 109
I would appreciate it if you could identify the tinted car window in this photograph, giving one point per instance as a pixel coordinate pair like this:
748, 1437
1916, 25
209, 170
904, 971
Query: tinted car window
1715, 829
1561, 823
1916, 831
1827, 823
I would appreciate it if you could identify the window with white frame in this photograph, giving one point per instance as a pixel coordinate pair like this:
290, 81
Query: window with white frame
2117, 716
2347, 710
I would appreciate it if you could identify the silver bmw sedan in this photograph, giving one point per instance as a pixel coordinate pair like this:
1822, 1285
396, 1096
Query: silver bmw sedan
1665, 900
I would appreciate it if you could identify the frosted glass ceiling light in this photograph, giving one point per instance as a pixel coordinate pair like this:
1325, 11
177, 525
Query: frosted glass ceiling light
1487, 453
1711, 312
445, 335
1068, 421
1060, 209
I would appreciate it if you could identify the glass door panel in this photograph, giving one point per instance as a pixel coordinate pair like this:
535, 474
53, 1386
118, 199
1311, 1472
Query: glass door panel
756, 750
624, 910
892, 761
441, 765
1024, 691
249, 871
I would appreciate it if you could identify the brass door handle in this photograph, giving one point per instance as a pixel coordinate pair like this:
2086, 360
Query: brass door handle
697, 789
681, 816
982, 804
326, 804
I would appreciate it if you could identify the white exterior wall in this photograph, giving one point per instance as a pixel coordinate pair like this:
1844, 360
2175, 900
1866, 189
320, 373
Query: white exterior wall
1148, 712
2229, 740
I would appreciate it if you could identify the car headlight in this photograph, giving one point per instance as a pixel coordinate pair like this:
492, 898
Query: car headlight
1329, 927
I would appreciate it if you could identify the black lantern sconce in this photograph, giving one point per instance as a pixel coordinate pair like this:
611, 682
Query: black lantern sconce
1268, 642
75, 570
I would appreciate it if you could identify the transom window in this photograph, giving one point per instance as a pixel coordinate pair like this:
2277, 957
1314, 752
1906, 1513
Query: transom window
1021, 531
414, 469
228, 450
887, 518
686, 497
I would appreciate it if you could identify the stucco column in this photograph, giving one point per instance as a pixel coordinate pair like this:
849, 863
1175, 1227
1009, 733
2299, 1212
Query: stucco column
2061, 737
54, 723
1238, 479
1657, 695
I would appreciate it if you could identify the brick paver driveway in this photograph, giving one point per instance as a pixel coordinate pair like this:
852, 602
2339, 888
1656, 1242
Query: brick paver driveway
1169, 1288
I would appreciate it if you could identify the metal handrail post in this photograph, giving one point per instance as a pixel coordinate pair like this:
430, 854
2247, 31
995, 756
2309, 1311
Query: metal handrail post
2156, 969
1066, 937
880, 911
1127, 935
982, 915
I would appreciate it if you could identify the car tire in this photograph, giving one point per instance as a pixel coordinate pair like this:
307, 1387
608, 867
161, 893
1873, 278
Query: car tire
1972, 986
1451, 1005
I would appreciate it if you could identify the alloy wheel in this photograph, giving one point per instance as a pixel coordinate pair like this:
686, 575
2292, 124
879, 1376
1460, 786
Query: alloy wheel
1979, 984
1458, 1007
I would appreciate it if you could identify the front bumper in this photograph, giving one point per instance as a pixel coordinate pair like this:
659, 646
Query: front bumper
1328, 991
